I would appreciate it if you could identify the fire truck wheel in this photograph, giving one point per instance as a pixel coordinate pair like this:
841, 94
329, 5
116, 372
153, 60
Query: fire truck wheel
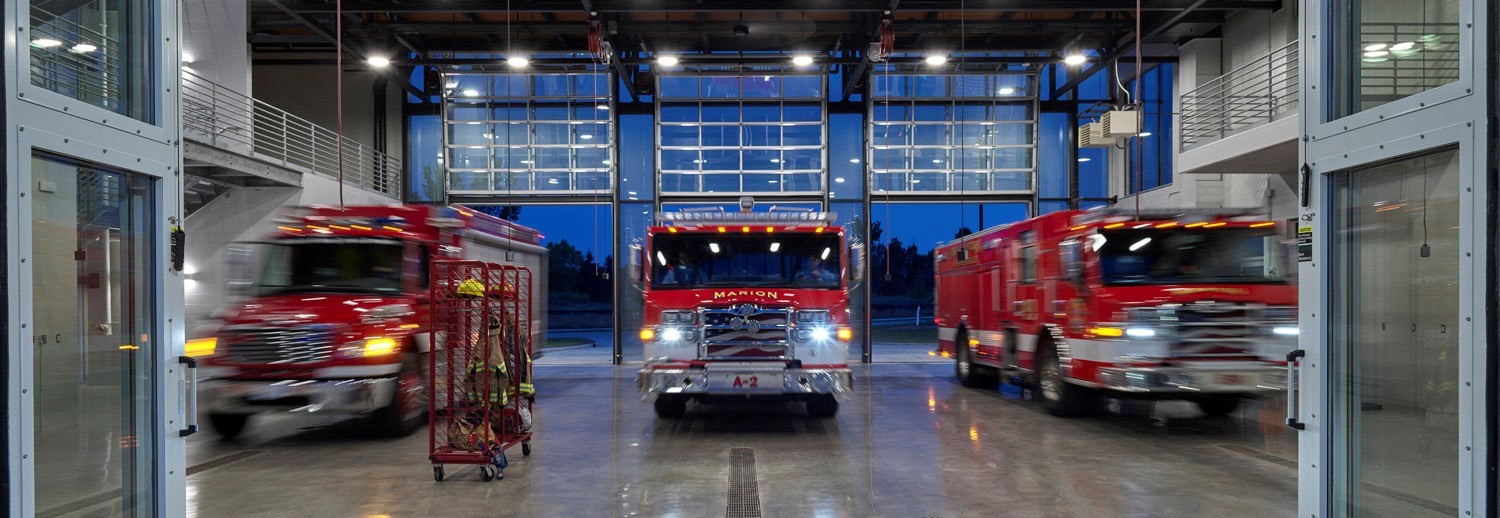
408, 409
228, 426
822, 405
970, 375
1220, 405
1059, 397
671, 406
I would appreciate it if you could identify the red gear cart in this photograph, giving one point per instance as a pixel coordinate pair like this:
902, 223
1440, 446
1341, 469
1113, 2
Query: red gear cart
481, 365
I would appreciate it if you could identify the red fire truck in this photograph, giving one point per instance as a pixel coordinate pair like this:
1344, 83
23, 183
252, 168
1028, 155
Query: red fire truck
749, 304
336, 319
1181, 304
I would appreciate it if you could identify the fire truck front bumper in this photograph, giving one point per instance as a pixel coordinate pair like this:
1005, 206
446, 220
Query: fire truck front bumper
741, 378
347, 396
1195, 379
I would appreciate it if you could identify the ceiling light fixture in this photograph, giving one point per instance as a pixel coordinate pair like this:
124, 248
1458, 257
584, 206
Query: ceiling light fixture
936, 59
667, 60
379, 61
1074, 59
1376, 54
1007, 91
470, 92
1374, 47
83, 48
518, 62
45, 43
1405, 45
802, 60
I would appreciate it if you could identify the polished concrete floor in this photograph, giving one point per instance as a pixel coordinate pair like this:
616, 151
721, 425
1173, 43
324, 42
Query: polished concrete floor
909, 442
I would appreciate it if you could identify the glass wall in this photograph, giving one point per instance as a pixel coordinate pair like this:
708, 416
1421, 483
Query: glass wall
953, 133
100, 52
1150, 166
1395, 339
509, 134
1388, 50
741, 134
93, 346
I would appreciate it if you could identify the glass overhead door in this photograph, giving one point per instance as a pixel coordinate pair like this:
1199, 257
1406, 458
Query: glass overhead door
1394, 358
94, 339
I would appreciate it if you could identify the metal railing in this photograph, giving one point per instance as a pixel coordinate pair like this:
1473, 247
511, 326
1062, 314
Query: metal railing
1257, 92
223, 118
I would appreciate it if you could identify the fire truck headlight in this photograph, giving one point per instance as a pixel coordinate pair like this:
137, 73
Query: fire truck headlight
677, 317
1140, 332
812, 316
820, 334
1285, 331
671, 334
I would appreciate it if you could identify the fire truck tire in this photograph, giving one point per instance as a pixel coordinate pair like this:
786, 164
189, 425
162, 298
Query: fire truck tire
1220, 405
228, 426
970, 375
671, 406
1059, 397
822, 405
399, 419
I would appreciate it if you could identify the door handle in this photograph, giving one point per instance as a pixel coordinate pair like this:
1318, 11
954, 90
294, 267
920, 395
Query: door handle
192, 397
1294, 388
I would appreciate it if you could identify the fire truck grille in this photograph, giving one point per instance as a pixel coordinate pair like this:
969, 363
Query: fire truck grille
279, 345
763, 333
1209, 330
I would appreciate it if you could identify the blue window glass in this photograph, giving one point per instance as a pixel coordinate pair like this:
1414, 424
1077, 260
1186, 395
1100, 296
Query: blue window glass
802, 86
802, 113
721, 135
677, 135
679, 87
760, 87
721, 113
802, 135
762, 113
550, 85
679, 113
720, 87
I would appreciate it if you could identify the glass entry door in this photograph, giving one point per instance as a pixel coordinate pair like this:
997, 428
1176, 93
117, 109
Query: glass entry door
94, 340
1394, 350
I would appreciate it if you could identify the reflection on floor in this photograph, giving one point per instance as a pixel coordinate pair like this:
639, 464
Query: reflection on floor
908, 442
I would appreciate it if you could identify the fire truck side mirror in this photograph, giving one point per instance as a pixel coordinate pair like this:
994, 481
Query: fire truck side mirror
856, 265
239, 272
636, 266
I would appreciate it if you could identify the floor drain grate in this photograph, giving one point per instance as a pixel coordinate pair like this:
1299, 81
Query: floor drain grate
744, 491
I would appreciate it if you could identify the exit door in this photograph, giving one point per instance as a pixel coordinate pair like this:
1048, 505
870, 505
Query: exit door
103, 416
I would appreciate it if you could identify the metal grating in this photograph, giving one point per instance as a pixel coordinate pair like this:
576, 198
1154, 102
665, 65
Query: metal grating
279, 345
744, 491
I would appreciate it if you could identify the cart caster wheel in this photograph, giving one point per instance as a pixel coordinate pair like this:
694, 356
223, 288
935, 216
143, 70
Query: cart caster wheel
525, 449
487, 473
437, 473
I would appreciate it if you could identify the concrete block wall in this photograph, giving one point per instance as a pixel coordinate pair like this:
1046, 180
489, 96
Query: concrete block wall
307, 92
246, 214
214, 37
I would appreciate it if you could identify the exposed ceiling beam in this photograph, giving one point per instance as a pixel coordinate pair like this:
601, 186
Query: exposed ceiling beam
688, 28
328, 35
1122, 46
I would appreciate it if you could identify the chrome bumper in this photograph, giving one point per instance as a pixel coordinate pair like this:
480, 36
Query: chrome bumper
334, 396
1204, 379
741, 379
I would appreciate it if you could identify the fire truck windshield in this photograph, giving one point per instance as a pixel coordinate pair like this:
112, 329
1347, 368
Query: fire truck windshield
781, 260
1189, 256
339, 266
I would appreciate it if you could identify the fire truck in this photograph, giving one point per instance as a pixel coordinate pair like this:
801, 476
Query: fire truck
745, 305
1175, 304
336, 315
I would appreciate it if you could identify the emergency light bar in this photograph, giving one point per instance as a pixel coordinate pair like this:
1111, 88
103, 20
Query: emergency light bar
707, 218
1112, 214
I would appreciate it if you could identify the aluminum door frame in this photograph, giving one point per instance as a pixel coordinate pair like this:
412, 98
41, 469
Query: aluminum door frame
1454, 114
40, 120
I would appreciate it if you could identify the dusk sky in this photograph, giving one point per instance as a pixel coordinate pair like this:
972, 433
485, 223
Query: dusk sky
914, 223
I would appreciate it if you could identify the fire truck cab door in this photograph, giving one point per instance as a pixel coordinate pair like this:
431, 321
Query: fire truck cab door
986, 315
